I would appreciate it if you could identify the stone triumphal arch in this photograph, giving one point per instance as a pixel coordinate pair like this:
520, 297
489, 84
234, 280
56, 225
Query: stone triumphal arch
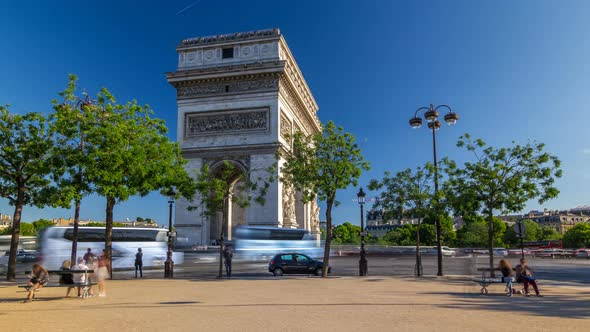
238, 97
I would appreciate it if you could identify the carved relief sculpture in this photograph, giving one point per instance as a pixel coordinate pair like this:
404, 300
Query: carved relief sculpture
197, 124
285, 126
289, 218
315, 217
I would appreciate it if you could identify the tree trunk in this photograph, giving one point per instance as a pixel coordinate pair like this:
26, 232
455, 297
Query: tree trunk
329, 204
75, 235
18, 208
221, 236
108, 234
418, 254
491, 242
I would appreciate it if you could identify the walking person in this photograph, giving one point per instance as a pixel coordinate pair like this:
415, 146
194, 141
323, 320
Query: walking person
228, 255
102, 274
525, 275
139, 263
38, 279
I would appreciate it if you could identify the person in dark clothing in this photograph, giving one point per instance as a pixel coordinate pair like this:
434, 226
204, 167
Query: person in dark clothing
228, 255
67, 278
139, 263
524, 275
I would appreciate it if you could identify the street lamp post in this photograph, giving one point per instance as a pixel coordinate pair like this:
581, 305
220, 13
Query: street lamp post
431, 116
363, 261
169, 265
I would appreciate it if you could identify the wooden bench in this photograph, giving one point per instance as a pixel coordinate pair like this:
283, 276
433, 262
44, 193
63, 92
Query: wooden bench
485, 282
85, 285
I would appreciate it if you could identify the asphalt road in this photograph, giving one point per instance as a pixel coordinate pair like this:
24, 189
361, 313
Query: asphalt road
205, 265
547, 270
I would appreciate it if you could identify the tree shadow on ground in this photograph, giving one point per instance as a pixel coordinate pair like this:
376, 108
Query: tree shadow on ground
553, 305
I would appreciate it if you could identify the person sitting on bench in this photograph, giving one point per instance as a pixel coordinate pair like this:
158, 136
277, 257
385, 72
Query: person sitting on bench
507, 272
67, 278
524, 275
38, 278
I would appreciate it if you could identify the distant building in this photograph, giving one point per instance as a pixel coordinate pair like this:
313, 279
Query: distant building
378, 226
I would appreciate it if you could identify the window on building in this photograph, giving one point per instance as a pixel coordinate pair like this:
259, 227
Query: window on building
227, 53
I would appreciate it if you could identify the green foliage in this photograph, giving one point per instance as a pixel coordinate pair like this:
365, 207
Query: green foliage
319, 165
42, 224
549, 233
448, 235
474, 234
102, 224
27, 159
577, 236
346, 233
26, 229
500, 179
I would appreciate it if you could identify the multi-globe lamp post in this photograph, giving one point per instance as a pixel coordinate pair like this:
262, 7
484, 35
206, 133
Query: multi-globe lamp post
169, 264
431, 116
363, 261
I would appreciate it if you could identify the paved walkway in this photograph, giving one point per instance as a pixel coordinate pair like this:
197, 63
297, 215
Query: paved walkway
296, 304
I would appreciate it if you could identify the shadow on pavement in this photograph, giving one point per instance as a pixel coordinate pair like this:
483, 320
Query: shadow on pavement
548, 306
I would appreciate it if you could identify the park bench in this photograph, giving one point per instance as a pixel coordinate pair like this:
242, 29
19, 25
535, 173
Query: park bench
85, 285
485, 282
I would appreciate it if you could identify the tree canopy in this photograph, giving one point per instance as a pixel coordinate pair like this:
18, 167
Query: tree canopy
500, 179
577, 236
319, 165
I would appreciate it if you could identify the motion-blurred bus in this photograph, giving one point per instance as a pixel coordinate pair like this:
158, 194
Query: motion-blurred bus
253, 242
56, 245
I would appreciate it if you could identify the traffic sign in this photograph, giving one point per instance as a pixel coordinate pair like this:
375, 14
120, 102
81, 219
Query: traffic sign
171, 234
519, 229
363, 233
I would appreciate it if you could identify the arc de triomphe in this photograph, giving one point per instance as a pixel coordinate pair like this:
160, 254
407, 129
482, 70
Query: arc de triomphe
238, 96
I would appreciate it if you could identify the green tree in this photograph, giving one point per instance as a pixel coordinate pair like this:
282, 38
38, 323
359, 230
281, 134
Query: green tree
72, 120
41, 224
26, 229
319, 165
533, 232
346, 233
549, 233
131, 155
474, 233
577, 236
501, 179
228, 184
26, 161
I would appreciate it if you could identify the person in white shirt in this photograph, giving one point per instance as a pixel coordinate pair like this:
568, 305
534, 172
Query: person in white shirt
80, 278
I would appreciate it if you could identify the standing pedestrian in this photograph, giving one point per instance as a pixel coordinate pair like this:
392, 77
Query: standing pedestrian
139, 263
89, 257
228, 255
103, 273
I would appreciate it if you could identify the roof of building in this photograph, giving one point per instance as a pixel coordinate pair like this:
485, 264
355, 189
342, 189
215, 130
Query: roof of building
231, 37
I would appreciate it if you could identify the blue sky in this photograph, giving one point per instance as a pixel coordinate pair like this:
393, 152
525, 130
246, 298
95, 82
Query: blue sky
513, 70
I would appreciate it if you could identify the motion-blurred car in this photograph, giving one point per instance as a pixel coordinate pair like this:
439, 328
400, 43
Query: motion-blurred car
582, 253
295, 263
500, 252
22, 256
518, 252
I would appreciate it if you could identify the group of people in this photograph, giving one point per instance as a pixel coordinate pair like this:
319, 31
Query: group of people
521, 273
99, 264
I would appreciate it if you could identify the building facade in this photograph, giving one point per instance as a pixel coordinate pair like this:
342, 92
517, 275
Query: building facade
239, 96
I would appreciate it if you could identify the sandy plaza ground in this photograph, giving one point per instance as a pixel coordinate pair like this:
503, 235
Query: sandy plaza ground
296, 304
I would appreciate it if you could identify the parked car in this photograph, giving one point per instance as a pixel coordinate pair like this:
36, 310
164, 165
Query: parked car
582, 253
295, 263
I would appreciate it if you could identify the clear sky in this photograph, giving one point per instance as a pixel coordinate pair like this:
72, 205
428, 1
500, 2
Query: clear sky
513, 70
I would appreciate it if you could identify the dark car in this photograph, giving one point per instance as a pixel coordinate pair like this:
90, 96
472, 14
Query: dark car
294, 263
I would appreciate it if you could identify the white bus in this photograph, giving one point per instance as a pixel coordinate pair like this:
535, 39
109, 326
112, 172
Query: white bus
253, 242
56, 245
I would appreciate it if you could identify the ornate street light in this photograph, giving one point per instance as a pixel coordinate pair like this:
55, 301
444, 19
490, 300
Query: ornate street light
363, 261
169, 265
431, 116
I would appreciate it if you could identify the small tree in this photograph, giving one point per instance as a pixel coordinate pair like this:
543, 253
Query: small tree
41, 224
577, 236
501, 179
26, 161
225, 184
407, 194
320, 164
549, 233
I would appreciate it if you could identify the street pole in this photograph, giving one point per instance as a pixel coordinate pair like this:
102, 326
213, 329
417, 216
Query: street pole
418, 254
521, 235
437, 221
169, 265
363, 261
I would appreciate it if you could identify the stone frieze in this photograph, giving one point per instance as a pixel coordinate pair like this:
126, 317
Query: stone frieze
226, 122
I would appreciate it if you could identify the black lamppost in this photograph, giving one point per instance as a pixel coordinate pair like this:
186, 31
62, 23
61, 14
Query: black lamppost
169, 265
431, 116
363, 261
